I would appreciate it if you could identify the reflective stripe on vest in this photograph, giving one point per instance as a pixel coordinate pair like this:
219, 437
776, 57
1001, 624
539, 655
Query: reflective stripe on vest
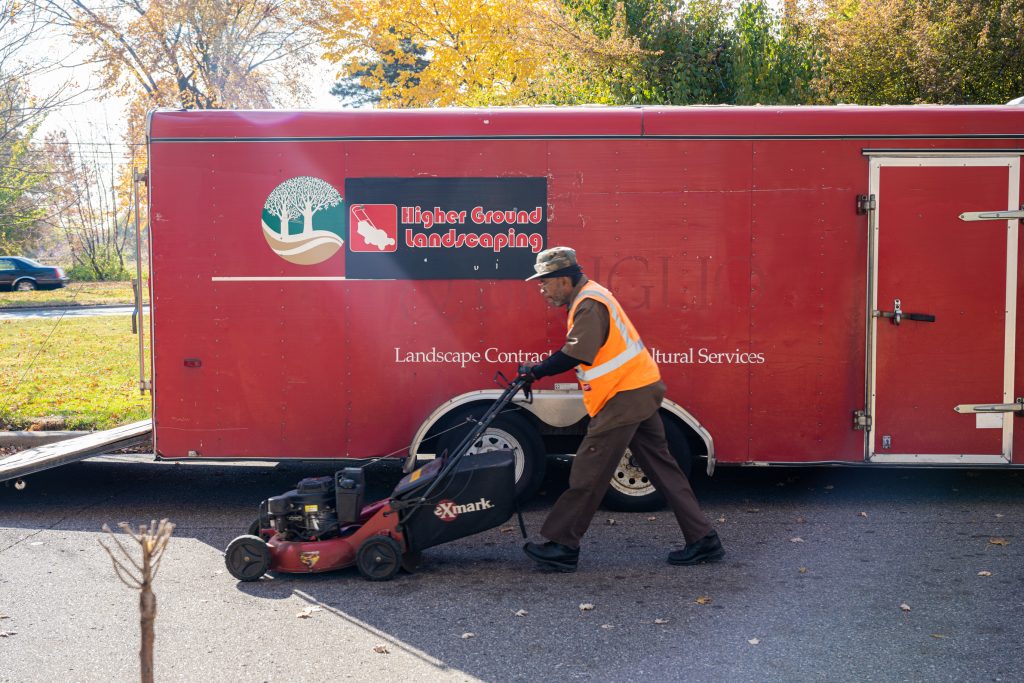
622, 362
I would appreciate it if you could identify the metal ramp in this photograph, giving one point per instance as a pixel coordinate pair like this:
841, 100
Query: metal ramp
52, 455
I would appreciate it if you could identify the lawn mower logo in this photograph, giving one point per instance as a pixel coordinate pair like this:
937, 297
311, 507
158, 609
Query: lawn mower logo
449, 510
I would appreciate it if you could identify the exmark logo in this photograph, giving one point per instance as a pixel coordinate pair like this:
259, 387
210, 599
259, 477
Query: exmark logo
449, 510
304, 220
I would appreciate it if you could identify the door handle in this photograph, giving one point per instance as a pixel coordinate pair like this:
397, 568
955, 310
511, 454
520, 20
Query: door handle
897, 315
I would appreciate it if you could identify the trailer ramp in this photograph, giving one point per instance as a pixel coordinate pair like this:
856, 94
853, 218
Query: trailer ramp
48, 456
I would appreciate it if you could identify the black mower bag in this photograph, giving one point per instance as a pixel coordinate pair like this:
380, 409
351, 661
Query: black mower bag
476, 495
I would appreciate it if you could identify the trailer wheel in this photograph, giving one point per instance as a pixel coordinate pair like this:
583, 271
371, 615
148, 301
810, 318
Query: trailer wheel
247, 558
631, 491
511, 432
379, 558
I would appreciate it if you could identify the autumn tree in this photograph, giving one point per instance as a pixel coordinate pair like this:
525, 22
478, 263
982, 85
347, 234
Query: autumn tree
470, 52
935, 51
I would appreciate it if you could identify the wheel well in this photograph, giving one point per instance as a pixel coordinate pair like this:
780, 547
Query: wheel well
458, 414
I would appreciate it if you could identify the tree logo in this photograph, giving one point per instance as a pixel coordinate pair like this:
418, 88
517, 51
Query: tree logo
304, 220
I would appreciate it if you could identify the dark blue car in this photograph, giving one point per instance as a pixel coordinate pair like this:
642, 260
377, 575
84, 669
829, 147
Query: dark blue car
23, 274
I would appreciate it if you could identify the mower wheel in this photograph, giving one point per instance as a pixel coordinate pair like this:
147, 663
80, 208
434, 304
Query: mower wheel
247, 558
379, 558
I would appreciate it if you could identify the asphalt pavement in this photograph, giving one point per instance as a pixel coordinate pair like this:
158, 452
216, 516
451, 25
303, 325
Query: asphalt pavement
831, 575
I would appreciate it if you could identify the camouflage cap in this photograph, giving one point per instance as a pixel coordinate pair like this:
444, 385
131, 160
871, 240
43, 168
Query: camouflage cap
552, 260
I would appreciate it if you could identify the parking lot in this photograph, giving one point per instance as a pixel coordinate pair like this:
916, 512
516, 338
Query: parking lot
831, 575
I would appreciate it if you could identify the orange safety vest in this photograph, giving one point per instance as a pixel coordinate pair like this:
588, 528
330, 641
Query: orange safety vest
622, 363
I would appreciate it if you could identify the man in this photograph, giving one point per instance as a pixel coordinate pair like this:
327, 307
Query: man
622, 392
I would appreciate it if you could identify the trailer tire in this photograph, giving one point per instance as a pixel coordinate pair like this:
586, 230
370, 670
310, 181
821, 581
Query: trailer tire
631, 491
507, 431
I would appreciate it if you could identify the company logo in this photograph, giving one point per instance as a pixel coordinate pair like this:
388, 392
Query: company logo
449, 510
304, 220
374, 227
309, 558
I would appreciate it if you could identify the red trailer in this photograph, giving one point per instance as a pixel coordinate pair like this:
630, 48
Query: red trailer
832, 285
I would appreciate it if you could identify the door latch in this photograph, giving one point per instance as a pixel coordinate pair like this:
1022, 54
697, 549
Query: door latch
897, 315
1015, 407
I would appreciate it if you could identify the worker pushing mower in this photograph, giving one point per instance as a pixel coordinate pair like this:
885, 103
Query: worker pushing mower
322, 525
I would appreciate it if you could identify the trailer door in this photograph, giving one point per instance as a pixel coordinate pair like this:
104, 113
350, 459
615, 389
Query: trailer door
943, 309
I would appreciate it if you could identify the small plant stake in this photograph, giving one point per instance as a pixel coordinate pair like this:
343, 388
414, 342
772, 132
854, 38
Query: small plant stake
153, 542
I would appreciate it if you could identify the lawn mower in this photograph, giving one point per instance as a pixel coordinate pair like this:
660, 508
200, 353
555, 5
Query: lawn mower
323, 525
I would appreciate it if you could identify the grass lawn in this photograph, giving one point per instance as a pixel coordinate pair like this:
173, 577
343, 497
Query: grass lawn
75, 294
77, 373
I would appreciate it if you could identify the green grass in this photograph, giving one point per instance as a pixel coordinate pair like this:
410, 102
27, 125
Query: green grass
75, 294
73, 374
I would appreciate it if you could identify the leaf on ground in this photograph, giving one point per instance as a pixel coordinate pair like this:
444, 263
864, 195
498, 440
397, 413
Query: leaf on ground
721, 520
507, 529
7, 634
586, 607
938, 635
984, 573
661, 621
800, 520
803, 570
753, 510
998, 541
862, 514
611, 522
905, 607
703, 600
999, 515
607, 626
521, 613
308, 612
4, 616
651, 519
467, 636
796, 539
754, 641
381, 649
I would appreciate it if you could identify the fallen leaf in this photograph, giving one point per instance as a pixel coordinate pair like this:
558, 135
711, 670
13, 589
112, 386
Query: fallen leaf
802, 570
999, 515
984, 573
796, 539
308, 612
36, 543
721, 520
606, 626
218, 572
467, 636
754, 641
862, 514
661, 621
586, 607
610, 522
938, 635
651, 519
801, 520
521, 613
998, 541
7, 634
4, 616
703, 600
381, 649
753, 510
507, 529
905, 607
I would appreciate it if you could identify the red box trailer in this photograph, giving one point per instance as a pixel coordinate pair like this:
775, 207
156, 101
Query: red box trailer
831, 285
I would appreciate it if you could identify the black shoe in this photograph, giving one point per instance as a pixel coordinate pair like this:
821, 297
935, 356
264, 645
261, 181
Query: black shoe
553, 555
707, 549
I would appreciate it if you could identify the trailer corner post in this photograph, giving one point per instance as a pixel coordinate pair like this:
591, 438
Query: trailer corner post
137, 285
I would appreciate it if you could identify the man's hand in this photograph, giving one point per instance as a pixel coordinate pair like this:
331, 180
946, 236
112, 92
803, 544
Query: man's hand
525, 373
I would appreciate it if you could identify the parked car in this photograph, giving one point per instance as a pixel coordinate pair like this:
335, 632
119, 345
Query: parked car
23, 274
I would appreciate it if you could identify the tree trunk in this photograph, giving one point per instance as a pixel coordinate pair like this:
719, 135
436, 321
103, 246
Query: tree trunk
307, 221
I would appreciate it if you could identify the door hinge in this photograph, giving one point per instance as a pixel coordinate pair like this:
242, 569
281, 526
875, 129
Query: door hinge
861, 420
865, 203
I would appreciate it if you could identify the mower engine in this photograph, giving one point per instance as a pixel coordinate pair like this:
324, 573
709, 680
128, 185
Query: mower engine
318, 508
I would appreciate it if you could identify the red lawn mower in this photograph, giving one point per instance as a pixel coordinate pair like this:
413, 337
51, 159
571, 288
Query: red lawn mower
322, 524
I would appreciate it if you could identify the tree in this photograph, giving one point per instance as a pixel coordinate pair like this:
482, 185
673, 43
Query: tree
935, 51
302, 196
469, 52
83, 206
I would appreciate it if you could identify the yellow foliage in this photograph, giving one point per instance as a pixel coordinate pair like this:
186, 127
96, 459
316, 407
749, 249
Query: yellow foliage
478, 52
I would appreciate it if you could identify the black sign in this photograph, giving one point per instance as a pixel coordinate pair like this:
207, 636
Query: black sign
444, 228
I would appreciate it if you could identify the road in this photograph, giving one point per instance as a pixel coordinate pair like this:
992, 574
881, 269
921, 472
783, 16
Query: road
70, 312
831, 575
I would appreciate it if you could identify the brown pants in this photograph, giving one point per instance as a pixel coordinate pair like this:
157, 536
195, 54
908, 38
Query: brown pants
594, 466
